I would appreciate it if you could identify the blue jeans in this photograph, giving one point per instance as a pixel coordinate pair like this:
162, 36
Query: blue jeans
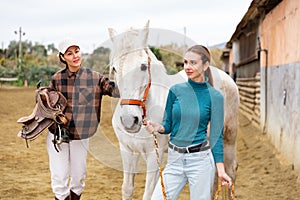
198, 169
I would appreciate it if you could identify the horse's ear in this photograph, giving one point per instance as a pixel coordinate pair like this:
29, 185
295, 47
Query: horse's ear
146, 30
112, 33
147, 25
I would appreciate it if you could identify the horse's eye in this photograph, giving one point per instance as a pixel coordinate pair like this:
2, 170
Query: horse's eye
143, 67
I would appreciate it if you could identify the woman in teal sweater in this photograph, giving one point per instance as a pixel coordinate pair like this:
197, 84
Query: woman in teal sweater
190, 107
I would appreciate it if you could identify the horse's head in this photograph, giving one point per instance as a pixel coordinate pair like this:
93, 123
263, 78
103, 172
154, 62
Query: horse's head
130, 61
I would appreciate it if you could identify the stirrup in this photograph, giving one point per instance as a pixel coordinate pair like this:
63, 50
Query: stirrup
57, 140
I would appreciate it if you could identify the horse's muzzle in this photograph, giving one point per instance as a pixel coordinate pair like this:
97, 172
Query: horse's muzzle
132, 124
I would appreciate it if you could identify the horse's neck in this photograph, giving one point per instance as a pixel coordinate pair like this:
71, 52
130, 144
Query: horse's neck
161, 83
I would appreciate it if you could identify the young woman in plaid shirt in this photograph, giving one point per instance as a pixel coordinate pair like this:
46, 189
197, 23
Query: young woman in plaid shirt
83, 89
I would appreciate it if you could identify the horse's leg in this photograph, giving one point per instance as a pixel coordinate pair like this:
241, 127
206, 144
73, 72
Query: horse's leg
152, 173
230, 160
128, 185
231, 165
130, 165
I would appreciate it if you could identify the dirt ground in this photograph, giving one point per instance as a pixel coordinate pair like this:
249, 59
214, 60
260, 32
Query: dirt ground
262, 173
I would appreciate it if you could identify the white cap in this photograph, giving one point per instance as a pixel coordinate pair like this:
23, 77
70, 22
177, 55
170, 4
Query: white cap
65, 44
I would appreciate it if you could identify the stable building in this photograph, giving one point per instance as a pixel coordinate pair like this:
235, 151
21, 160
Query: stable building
265, 59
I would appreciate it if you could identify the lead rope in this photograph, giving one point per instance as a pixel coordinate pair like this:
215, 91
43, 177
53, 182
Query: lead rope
160, 169
219, 189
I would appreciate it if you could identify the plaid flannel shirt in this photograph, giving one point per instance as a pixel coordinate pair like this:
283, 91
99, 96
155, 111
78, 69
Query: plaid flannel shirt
83, 90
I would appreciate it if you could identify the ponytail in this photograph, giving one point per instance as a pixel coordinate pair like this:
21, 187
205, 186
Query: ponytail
209, 75
60, 55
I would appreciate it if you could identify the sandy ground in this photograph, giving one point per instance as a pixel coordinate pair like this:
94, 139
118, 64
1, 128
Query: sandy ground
262, 173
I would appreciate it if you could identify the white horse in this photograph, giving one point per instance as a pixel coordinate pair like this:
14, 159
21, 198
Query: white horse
144, 84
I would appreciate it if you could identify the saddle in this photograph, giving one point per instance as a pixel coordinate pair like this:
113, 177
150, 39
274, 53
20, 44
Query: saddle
48, 111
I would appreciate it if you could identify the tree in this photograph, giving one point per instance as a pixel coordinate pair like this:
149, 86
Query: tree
98, 60
39, 50
101, 50
156, 52
51, 48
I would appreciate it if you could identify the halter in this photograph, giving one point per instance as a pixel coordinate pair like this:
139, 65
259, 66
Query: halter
141, 102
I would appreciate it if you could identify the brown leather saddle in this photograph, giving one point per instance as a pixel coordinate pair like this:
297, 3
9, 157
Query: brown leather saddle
48, 110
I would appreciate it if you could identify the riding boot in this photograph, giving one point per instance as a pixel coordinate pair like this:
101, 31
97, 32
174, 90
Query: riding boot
74, 196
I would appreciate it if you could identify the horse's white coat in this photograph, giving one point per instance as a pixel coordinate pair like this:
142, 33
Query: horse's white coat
127, 55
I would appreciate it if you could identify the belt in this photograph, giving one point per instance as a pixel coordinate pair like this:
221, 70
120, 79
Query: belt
192, 149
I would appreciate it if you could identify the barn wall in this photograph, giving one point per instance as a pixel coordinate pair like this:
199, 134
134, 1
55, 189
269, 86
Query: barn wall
283, 118
244, 54
280, 74
280, 32
249, 69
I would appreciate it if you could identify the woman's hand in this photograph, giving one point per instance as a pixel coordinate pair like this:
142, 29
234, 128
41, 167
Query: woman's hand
153, 127
225, 179
149, 127
223, 176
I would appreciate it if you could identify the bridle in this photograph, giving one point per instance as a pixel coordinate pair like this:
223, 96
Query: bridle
141, 102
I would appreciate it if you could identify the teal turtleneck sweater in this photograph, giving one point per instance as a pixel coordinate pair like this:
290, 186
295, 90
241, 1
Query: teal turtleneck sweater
189, 108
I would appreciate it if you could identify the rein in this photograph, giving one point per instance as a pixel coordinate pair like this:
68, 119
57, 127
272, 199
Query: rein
141, 102
219, 189
160, 169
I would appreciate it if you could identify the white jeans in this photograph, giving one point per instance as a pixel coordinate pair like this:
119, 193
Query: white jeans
198, 169
68, 166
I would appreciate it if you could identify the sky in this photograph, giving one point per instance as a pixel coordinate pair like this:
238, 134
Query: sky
206, 22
